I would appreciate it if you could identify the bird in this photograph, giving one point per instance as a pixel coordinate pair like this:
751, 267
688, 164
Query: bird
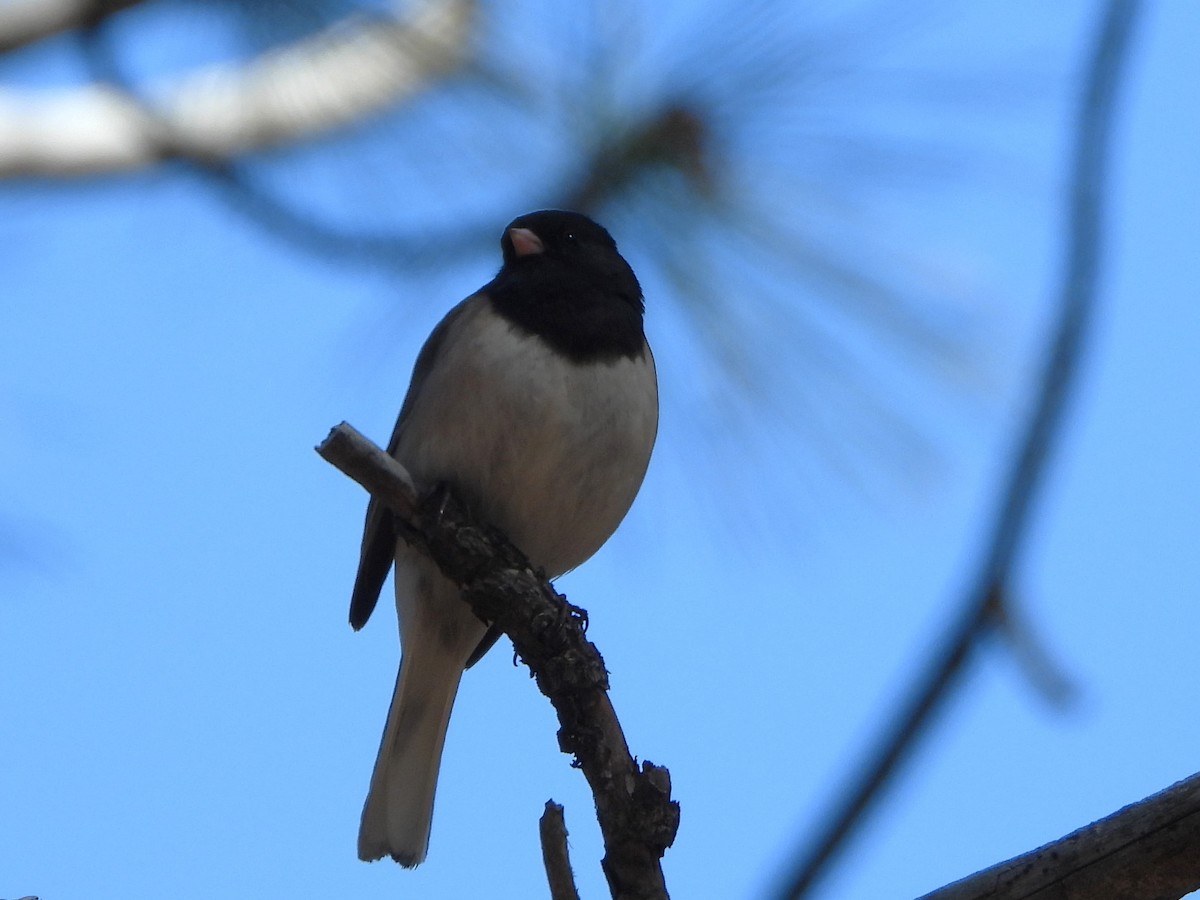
535, 402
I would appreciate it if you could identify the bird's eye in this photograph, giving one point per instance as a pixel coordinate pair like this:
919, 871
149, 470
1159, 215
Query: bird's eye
570, 235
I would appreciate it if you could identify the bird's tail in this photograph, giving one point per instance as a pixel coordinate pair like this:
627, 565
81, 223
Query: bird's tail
399, 807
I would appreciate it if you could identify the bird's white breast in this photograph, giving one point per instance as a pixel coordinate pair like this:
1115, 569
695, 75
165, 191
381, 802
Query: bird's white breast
551, 451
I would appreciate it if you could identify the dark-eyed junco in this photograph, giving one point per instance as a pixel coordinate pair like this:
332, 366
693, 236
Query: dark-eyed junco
535, 400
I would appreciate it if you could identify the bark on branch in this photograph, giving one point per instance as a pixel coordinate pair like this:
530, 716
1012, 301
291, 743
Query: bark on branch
1147, 851
638, 819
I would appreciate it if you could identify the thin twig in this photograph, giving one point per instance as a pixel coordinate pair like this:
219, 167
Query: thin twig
975, 620
637, 817
552, 829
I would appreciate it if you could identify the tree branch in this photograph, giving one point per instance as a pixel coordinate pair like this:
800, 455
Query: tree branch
637, 817
555, 856
978, 609
1147, 851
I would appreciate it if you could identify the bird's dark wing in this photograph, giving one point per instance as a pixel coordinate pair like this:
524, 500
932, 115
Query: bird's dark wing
489, 639
378, 551
379, 534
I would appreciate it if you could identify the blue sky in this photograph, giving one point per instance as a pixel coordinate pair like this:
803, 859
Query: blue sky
186, 713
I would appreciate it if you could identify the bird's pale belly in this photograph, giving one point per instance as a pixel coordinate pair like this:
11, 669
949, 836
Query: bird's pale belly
551, 452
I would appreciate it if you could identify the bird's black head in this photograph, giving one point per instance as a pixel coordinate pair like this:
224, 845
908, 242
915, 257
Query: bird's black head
564, 281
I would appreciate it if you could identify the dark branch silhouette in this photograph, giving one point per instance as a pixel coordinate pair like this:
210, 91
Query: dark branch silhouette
981, 607
1146, 851
638, 819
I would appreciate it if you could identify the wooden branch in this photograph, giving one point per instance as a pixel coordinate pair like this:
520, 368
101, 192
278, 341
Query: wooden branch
637, 817
555, 855
1147, 851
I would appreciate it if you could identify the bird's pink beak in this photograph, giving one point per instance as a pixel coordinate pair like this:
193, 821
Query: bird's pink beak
525, 242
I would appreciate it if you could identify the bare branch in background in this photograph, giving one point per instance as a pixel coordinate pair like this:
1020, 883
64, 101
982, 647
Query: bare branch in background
353, 68
977, 617
1147, 851
25, 22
